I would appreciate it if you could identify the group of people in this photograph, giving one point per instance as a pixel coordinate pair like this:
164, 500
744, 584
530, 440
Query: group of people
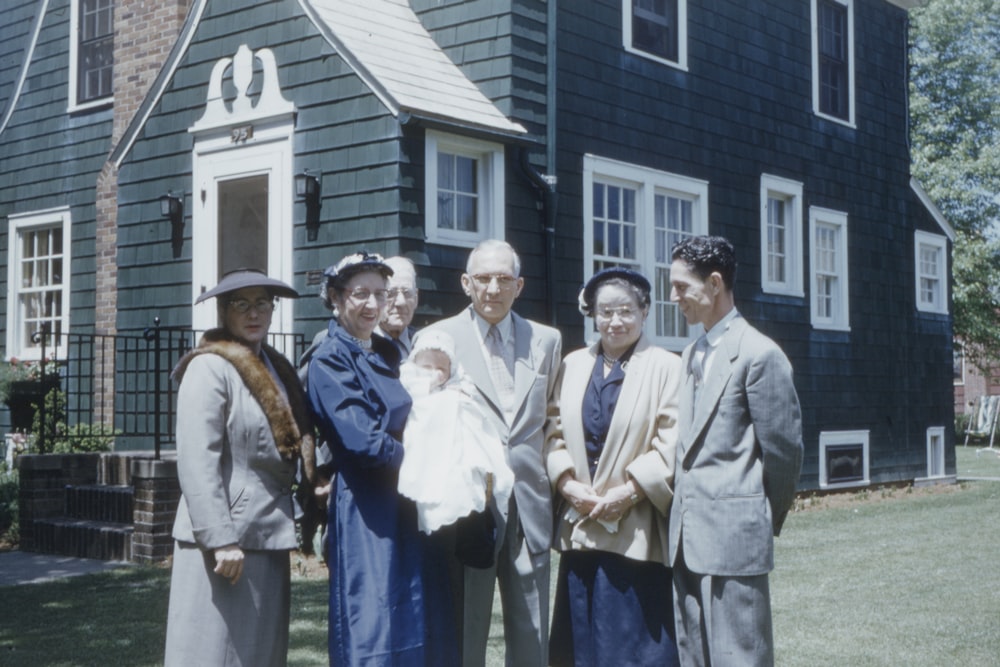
454, 458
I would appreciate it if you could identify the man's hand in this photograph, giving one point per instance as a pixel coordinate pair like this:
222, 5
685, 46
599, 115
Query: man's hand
229, 562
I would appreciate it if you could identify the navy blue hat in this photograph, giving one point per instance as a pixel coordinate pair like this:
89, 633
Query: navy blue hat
354, 263
240, 278
589, 291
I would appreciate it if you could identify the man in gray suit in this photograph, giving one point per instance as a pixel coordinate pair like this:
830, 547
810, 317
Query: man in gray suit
513, 363
739, 452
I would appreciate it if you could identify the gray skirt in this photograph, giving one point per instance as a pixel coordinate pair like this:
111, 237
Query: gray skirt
213, 622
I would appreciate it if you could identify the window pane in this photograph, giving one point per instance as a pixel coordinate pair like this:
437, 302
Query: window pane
243, 224
465, 216
614, 203
446, 171
446, 211
654, 27
614, 240
465, 172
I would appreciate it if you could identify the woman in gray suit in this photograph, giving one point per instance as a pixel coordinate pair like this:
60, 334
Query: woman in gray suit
242, 425
610, 455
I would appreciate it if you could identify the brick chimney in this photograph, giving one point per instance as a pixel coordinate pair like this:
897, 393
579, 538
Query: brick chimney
145, 31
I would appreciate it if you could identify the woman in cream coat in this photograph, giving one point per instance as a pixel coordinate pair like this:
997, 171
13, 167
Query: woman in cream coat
610, 455
242, 425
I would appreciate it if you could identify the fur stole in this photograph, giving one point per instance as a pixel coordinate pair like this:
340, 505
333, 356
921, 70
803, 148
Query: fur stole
290, 423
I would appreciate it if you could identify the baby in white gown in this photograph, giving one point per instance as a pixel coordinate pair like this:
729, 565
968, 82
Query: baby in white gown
454, 459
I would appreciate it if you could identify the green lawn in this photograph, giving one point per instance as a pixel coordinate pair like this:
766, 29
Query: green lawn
878, 578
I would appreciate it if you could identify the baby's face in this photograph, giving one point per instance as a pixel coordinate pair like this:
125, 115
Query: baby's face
435, 361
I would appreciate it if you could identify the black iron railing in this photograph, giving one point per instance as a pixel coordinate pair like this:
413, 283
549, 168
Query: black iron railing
122, 382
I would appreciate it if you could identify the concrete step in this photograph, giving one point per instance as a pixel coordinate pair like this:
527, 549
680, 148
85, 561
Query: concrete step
99, 502
83, 538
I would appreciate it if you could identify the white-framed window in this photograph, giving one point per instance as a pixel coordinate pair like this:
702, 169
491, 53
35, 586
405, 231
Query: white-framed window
931, 262
633, 216
828, 257
833, 59
781, 235
935, 451
843, 459
38, 282
464, 198
91, 52
656, 29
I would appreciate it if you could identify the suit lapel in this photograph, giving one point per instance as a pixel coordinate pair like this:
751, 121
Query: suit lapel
718, 377
473, 362
524, 361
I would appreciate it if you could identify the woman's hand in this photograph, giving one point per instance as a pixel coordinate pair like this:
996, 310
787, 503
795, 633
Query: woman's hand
322, 491
579, 495
229, 562
616, 502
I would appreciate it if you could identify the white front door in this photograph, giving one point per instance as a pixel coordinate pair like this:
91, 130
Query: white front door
242, 218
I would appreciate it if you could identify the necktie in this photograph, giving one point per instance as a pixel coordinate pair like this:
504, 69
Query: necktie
501, 366
698, 360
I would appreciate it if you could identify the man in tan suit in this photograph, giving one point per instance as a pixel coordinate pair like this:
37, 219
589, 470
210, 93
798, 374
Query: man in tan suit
738, 457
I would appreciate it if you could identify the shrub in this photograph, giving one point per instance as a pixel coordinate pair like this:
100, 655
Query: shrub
8, 506
85, 438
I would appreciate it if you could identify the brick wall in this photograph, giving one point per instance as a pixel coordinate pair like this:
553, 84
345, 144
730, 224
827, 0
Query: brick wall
145, 31
43, 481
157, 493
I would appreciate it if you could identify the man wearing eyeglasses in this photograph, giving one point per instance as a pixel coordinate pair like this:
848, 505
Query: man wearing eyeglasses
401, 305
513, 363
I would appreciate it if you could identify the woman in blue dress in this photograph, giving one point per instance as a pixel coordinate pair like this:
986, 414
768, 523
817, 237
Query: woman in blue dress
611, 457
389, 592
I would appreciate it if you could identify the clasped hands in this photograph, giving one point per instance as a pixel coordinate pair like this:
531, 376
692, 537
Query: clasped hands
611, 506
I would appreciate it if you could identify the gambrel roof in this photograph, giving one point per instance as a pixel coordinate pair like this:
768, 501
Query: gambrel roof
388, 48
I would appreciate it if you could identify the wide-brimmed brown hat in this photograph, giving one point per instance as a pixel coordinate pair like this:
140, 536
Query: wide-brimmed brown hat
241, 278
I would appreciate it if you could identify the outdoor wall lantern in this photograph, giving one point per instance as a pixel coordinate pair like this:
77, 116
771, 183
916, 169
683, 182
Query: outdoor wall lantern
307, 186
172, 208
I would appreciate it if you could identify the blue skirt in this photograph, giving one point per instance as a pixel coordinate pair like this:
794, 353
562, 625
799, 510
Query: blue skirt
611, 610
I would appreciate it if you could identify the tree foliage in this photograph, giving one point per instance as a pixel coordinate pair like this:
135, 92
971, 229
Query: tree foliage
955, 130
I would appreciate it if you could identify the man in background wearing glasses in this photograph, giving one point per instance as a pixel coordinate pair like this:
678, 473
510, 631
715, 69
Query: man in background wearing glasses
513, 363
401, 305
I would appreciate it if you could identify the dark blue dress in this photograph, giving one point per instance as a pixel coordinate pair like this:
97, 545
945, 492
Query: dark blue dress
390, 601
609, 609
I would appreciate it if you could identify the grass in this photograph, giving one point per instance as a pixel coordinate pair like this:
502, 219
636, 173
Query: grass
880, 578
970, 462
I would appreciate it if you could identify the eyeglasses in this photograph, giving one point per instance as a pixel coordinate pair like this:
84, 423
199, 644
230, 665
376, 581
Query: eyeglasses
624, 313
408, 294
361, 295
504, 281
242, 306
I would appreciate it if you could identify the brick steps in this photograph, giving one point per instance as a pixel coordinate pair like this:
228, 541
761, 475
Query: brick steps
84, 538
99, 502
108, 506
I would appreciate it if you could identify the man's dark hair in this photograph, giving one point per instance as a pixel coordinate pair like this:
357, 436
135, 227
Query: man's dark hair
706, 254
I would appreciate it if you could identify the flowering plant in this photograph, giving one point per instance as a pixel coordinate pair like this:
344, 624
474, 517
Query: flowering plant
16, 370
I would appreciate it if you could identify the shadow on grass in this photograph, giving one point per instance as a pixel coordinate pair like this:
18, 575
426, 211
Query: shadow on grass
120, 617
